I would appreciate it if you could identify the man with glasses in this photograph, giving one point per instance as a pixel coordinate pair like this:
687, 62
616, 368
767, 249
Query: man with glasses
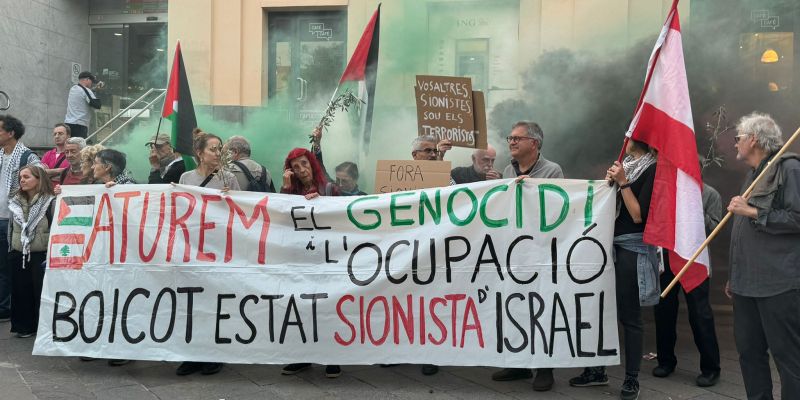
72, 175
765, 261
427, 148
525, 145
166, 166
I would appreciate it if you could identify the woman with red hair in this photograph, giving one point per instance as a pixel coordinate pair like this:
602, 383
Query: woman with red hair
303, 175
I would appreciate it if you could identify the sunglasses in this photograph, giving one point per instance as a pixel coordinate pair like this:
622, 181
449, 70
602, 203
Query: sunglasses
739, 138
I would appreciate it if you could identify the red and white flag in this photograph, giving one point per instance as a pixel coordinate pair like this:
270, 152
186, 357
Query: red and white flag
663, 120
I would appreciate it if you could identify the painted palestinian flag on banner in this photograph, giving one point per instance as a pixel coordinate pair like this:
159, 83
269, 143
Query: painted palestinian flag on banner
179, 109
363, 69
76, 211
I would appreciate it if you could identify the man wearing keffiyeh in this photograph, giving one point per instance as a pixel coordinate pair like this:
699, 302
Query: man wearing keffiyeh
13, 156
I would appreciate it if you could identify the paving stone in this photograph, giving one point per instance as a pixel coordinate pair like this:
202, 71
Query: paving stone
130, 392
201, 390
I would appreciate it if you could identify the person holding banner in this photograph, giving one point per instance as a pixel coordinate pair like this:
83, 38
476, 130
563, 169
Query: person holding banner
31, 213
635, 263
525, 144
109, 168
303, 175
765, 261
208, 152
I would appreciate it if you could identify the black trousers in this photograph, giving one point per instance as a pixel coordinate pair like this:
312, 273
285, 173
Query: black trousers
629, 312
78, 130
768, 323
26, 290
701, 319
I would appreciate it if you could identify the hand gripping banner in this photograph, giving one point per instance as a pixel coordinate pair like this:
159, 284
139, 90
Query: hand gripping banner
492, 273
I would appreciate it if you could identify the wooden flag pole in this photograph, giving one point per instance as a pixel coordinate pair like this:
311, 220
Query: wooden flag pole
729, 215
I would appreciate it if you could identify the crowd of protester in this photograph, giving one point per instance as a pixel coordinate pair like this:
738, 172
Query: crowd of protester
764, 285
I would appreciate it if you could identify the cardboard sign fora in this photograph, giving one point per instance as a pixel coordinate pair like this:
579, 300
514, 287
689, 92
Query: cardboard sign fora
400, 175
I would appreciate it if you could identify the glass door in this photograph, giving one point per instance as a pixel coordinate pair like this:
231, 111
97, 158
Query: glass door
307, 54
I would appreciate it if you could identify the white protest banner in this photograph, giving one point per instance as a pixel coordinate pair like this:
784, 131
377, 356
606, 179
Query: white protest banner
492, 273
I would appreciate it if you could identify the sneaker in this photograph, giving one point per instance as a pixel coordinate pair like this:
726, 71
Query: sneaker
118, 362
512, 374
210, 368
630, 388
429, 369
188, 368
663, 371
25, 335
707, 379
292, 369
592, 376
333, 371
544, 380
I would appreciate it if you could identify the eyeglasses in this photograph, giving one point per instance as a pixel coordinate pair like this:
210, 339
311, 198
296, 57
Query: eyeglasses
429, 151
739, 137
516, 139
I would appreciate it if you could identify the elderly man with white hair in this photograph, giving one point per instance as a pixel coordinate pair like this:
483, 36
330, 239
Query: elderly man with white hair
765, 261
482, 168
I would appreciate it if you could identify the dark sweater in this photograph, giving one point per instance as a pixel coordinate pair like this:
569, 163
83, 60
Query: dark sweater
173, 174
642, 188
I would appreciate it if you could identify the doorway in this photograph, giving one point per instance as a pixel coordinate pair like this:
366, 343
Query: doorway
307, 52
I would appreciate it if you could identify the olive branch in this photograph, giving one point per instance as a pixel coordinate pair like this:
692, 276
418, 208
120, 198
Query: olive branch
715, 130
342, 102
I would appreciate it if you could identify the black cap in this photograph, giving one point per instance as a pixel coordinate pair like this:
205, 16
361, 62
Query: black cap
87, 74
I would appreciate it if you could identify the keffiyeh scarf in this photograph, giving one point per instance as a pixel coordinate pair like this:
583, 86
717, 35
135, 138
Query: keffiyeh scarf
7, 176
634, 167
37, 211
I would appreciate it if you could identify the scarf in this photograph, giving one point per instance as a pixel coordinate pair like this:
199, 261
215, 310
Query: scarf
634, 167
8, 176
36, 212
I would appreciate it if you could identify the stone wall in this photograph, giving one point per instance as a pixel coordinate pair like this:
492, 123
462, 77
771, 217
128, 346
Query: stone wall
40, 39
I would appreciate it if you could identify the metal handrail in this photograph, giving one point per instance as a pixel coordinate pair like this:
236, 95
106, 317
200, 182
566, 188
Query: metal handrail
146, 107
119, 114
4, 95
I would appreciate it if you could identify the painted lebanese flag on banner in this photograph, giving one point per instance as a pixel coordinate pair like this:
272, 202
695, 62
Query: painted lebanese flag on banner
663, 120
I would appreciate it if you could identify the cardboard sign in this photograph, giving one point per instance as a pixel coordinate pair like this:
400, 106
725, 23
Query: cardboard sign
400, 175
481, 132
445, 109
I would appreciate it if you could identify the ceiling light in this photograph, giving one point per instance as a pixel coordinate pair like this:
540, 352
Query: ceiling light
770, 56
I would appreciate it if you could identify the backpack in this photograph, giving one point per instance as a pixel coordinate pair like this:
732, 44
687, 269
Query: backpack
253, 184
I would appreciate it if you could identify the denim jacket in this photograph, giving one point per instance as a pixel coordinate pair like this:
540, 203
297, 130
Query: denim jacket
646, 266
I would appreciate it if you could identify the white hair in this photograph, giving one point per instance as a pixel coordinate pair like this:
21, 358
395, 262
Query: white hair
765, 130
417, 143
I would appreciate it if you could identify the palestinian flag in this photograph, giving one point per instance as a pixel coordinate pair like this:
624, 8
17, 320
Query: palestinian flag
76, 211
363, 69
179, 109
66, 251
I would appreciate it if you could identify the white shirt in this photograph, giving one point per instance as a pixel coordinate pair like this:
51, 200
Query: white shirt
78, 111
